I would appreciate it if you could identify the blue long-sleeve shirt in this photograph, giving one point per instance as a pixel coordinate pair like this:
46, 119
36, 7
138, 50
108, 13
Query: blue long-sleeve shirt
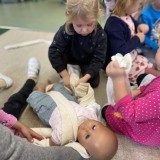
150, 17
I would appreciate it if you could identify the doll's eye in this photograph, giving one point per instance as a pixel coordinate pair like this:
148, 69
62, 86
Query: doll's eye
93, 127
87, 136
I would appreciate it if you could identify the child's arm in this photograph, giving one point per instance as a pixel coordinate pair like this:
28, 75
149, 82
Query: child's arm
135, 92
118, 77
6, 119
26, 132
65, 75
10, 121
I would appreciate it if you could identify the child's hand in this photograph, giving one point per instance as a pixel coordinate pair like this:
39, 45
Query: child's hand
67, 81
27, 132
135, 92
143, 28
119, 78
141, 36
66, 78
84, 79
81, 80
114, 71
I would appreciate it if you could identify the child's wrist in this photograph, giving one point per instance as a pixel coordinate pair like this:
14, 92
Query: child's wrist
17, 125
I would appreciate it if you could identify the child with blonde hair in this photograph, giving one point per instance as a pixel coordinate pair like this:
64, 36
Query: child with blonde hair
125, 36
80, 41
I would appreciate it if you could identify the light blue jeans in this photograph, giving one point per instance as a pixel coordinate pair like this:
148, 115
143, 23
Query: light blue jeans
43, 105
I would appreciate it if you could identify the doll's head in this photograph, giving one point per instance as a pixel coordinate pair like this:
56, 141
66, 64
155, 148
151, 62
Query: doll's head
127, 7
99, 141
82, 13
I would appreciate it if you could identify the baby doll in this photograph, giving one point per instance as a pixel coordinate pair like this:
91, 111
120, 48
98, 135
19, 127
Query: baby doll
72, 123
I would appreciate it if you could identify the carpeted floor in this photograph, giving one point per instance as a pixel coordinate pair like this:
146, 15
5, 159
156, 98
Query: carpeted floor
14, 64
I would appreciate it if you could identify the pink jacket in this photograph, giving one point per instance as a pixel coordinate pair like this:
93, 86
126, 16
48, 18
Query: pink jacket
8, 120
139, 118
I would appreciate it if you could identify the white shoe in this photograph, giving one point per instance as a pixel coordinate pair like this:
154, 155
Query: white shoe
7, 80
33, 67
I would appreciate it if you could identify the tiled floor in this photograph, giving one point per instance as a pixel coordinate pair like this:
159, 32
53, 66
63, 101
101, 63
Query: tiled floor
43, 15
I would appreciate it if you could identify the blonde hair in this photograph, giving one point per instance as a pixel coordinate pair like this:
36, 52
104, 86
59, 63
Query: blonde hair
85, 9
121, 7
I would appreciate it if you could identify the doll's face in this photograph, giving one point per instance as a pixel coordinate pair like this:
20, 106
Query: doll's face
83, 27
97, 139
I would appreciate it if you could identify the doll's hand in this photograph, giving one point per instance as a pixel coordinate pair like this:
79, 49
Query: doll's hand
27, 132
114, 71
84, 79
143, 28
141, 36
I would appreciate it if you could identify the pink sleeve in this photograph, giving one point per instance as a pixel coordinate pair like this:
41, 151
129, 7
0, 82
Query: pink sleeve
141, 109
7, 120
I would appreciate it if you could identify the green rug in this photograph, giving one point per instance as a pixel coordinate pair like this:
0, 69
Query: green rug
3, 30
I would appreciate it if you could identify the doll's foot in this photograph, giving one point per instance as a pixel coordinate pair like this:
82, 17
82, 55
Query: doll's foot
42, 88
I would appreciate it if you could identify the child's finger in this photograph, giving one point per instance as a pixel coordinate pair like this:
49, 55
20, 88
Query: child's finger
115, 64
29, 138
36, 135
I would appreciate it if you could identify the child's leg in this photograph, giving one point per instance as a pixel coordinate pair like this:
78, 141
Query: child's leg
144, 79
16, 102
